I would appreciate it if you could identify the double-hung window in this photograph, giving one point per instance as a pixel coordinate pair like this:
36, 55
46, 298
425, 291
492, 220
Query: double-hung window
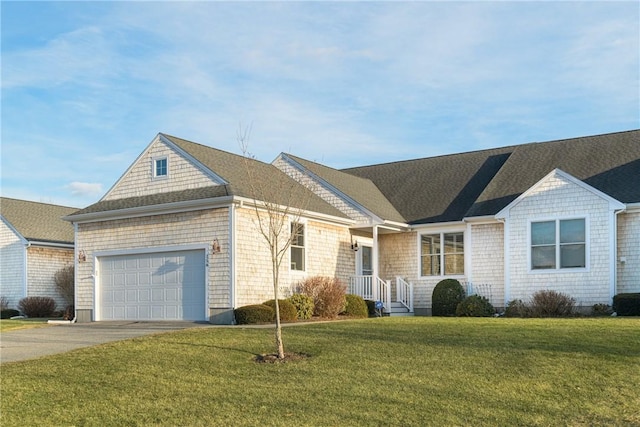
558, 244
297, 246
442, 254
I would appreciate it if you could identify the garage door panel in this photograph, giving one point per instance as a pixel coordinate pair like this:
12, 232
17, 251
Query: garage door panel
157, 286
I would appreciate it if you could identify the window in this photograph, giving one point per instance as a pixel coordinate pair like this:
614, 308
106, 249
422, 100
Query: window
297, 246
558, 244
160, 168
442, 254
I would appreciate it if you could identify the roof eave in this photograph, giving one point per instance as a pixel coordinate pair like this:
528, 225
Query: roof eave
140, 211
50, 243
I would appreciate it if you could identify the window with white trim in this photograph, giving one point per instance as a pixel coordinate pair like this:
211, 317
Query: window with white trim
297, 247
442, 254
558, 244
160, 167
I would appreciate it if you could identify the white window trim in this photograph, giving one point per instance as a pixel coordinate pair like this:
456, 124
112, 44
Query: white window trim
465, 232
154, 160
558, 269
305, 247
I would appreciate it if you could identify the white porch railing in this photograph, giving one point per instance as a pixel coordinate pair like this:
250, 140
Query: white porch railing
404, 293
371, 288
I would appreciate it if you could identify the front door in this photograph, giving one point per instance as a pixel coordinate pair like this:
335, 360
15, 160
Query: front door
365, 261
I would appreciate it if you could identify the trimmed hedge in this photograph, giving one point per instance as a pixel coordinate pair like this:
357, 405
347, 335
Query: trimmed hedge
251, 314
627, 304
37, 306
446, 296
475, 306
288, 312
303, 304
356, 307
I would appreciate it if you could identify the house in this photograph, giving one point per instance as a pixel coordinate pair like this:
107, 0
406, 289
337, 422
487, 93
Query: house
176, 236
35, 243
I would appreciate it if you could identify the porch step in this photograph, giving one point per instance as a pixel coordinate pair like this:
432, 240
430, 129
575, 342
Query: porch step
397, 309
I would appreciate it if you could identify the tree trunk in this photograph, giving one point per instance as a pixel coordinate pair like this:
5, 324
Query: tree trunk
276, 293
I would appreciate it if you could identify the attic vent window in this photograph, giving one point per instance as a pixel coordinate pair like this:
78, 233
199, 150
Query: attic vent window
160, 167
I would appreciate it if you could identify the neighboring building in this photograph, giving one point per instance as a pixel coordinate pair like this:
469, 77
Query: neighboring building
35, 242
175, 237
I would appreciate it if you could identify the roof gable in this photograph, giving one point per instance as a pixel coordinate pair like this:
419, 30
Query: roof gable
609, 163
224, 175
557, 173
360, 193
184, 172
38, 222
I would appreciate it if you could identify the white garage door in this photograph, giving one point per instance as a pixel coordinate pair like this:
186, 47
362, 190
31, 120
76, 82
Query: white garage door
153, 286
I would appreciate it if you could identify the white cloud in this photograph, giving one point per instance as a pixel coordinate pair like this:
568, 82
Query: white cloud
84, 189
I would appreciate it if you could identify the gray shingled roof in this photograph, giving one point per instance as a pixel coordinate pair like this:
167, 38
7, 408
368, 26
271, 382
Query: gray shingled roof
449, 188
232, 168
38, 221
362, 190
155, 199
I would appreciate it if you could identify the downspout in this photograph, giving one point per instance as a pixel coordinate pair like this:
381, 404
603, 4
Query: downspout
232, 256
507, 262
25, 278
613, 287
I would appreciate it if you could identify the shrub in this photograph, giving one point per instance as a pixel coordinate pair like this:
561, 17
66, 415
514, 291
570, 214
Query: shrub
37, 306
250, 314
627, 304
475, 306
64, 279
288, 312
445, 298
303, 304
328, 295
355, 307
371, 307
548, 303
8, 313
517, 308
601, 310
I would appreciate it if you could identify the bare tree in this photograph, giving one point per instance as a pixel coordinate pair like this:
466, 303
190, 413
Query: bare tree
65, 282
278, 200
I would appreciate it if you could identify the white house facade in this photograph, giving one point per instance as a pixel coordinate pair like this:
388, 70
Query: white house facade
177, 236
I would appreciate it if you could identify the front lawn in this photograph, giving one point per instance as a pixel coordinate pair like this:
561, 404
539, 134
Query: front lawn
8, 324
386, 371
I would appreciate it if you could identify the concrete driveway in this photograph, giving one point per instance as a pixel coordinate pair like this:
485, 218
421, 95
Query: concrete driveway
25, 344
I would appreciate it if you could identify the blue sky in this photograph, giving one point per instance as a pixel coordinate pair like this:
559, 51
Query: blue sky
86, 86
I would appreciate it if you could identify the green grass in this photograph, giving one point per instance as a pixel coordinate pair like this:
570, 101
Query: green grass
8, 324
390, 371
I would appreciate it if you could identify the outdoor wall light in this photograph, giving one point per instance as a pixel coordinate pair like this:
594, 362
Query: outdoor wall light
215, 247
354, 246
82, 256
